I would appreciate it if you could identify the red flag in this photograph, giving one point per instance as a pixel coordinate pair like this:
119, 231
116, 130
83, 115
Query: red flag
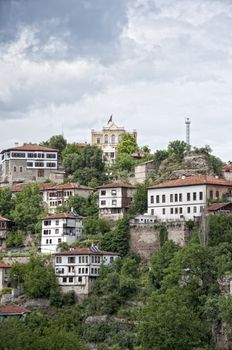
110, 120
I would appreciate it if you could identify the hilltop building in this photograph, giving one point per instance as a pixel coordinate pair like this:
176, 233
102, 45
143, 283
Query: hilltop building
108, 138
76, 270
60, 228
185, 198
115, 199
29, 163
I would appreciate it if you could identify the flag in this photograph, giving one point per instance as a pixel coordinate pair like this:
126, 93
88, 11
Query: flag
110, 120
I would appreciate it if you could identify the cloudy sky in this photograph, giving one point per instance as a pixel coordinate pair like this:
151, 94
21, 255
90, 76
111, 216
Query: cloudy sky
70, 64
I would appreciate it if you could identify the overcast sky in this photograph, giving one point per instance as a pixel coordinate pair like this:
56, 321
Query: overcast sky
70, 64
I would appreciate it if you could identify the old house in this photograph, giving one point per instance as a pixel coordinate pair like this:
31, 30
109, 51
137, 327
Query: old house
4, 275
115, 199
185, 198
76, 270
30, 163
13, 310
60, 228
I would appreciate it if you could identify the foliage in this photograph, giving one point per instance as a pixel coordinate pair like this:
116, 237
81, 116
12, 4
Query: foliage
163, 235
177, 149
117, 239
38, 278
57, 142
95, 226
220, 229
85, 165
15, 239
83, 206
28, 209
139, 204
6, 202
124, 162
161, 155
70, 148
127, 144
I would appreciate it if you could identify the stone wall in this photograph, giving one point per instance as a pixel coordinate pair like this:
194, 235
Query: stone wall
145, 238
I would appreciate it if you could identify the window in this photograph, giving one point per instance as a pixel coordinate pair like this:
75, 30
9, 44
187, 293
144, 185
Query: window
171, 210
103, 193
98, 140
194, 209
80, 279
46, 232
70, 279
188, 210
71, 260
194, 196
41, 173
86, 259
15, 169
113, 192
176, 197
30, 164
64, 279
113, 139
188, 196
111, 154
103, 202
86, 270
83, 270
106, 138
171, 197
181, 210
201, 196
58, 259
217, 194
50, 165
114, 202
31, 155
211, 194
21, 169
157, 199
59, 240
71, 269
47, 222
83, 259
111, 259
180, 197
176, 210
39, 164
163, 211
56, 231
18, 155
163, 198
57, 222
152, 199
79, 270
51, 155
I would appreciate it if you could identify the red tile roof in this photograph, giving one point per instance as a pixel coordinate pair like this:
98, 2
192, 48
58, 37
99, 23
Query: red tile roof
217, 206
2, 219
4, 266
63, 216
228, 168
193, 181
69, 186
116, 185
13, 309
30, 147
86, 251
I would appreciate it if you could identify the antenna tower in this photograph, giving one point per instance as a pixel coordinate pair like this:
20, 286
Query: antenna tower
187, 123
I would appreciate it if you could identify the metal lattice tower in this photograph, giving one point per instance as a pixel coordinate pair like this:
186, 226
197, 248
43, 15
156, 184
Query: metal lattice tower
187, 123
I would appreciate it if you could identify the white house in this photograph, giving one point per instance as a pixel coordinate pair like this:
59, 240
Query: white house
115, 199
30, 163
76, 270
60, 228
185, 198
4, 275
55, 196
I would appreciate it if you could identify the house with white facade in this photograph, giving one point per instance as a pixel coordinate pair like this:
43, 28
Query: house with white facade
30, 163
185, 198
115, 199
76, 270
60, 228
4, 275
57, 195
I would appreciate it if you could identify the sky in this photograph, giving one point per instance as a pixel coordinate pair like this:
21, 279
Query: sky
67, 65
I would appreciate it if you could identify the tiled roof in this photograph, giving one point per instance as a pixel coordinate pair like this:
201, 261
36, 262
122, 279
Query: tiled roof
13, 309
217, 206
31, 148
63, 216
66, 187
228, 168
2, 219
116, 185
4, 266
192, 181
86, 251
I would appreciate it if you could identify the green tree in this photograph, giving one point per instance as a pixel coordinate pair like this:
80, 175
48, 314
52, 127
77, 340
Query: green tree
28, 209
70, 148
127, 144
177, 149
117, 240
57, 142
139, 204
95, 226
220, 229
6, 202
83, 206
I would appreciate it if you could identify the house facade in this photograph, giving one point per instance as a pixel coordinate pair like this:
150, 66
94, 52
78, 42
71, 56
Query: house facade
115, 199
143, 171
30, 163
55, 196
4, 275
5, 227
185, 198
76, 270
108, 138
60, 228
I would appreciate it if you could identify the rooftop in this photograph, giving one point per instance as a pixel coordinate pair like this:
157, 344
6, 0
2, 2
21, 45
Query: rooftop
116, 185
13, 309
63, 216
31, 147
66, 187
217, 206
86, 251
4, 266
2, 219
193, 181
